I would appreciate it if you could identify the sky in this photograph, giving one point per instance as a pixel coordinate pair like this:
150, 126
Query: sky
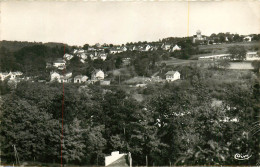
81, 22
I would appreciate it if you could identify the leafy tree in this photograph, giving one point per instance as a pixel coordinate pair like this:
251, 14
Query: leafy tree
73, 144
85, 47
34, 133
256, 65
237, 52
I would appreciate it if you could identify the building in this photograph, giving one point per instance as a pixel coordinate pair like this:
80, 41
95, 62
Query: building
146, 48
66, 78
251, 56
12, 75
116, 159
97, 75
55, 76
172, 75
59, 63
68, 56
103, 55
166, 46
198, 37
247, 38
80, 79
176, 47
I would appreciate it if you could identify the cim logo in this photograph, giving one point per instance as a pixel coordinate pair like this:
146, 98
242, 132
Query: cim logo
242, 157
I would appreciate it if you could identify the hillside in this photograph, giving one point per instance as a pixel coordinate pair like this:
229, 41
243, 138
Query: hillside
17, 45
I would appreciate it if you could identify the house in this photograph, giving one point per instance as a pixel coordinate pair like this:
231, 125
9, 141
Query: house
81, 51
132, 48
113, 51
55, 76
97, 75
172, 75
123, 48
176, 47
59, 63
83, 56
12, 75
68, 56
251, 56
198, 37
103, 55
66, 78
80, 79
247, 38
75, 51
166, 46
91, 49
146, 48
116, 159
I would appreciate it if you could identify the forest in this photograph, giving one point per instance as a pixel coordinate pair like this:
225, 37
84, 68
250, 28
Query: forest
204, 119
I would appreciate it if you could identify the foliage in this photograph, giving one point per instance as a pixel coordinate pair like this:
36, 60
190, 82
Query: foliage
237, 52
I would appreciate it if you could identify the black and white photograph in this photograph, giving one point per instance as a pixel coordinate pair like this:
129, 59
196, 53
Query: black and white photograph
135, 83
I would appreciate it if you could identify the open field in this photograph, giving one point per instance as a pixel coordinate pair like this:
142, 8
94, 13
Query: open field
223, 48
174, 61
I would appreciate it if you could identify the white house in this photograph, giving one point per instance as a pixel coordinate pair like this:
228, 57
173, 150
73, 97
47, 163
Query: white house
103, 55
97, 75
115, 156
176, 47
146, 48
59, 63
166, 46
83, 56
248, 38
123, 48
55, 76
61, 78
80, 79
251, 56
172, 75
67, 56
12, 75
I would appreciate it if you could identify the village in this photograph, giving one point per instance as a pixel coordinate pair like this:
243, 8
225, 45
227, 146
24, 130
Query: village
57, 68
129, 84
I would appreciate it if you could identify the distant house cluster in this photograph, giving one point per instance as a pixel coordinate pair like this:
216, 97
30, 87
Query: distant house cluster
14, 76
97, 75
214, 39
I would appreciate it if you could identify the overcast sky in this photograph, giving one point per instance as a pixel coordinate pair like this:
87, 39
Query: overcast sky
77, 23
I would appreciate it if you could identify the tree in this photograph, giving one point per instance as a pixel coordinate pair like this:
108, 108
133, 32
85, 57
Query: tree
237, 52
73, 144
256, 65
224, 63
85, 47
34, 133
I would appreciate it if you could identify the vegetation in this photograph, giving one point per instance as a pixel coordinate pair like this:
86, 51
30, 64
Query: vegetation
185, 122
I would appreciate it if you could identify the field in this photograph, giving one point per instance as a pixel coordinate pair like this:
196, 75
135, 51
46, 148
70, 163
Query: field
174, 61
223, 48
